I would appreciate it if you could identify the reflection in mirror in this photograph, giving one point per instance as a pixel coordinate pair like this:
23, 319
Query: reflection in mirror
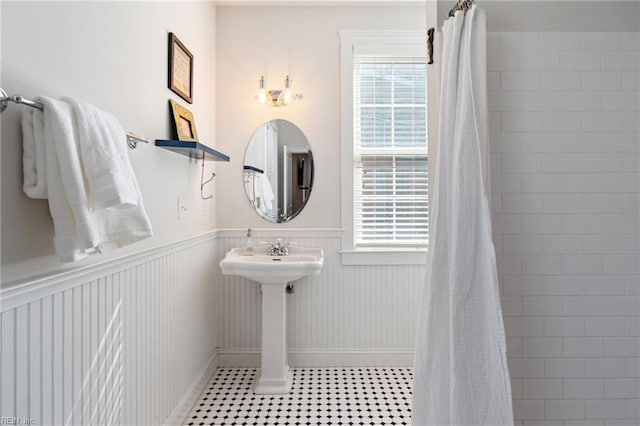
278, 171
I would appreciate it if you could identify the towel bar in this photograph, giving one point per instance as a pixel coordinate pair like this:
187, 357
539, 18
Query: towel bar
5, 99
132, 138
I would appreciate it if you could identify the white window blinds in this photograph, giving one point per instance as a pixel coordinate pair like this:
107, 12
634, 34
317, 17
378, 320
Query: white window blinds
390, 152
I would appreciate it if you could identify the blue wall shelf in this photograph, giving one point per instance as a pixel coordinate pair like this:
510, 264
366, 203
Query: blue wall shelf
192, 149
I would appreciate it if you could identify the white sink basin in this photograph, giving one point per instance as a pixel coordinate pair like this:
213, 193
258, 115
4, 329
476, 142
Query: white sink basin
265, 269
273, 273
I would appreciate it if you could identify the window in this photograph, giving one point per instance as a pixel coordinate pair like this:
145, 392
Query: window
384, 147
390, 152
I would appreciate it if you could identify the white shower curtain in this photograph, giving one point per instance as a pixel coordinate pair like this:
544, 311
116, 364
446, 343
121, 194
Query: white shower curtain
461, 376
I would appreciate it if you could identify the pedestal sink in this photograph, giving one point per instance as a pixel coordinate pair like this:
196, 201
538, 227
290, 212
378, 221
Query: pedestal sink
273, 273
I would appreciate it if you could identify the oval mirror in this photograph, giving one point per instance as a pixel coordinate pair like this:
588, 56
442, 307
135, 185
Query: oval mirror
278, 171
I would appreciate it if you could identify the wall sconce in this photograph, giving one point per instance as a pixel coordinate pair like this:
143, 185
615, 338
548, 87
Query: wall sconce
277, 97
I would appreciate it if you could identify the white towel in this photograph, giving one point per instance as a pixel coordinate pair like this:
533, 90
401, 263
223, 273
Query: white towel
104, 156
250, 187
113, 189
259, 191
266, 192
34, 154
80, 226
60, 125
42, 179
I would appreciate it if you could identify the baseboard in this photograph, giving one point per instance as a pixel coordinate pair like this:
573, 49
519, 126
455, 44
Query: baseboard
182, 410
319, 358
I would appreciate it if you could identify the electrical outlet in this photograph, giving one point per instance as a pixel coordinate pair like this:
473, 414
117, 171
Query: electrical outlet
183, 209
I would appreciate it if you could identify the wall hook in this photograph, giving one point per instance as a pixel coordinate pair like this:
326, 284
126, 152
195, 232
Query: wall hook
203, 182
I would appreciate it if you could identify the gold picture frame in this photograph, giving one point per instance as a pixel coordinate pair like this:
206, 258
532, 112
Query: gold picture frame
180, 69
184, 122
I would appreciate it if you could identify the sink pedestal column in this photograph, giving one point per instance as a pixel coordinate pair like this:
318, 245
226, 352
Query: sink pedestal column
275, 376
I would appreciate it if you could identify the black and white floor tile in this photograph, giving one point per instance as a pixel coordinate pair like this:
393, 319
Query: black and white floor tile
320, 396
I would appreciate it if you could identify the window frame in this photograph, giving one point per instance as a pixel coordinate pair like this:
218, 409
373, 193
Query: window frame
405, 43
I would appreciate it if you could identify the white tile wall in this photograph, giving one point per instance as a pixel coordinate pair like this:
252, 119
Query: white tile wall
566, 222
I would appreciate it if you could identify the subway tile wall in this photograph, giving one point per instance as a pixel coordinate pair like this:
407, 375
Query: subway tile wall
565, 144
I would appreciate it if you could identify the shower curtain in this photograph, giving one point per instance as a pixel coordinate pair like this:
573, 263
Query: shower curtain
461, 376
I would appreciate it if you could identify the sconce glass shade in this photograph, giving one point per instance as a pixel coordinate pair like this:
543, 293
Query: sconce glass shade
286, 96
263, 96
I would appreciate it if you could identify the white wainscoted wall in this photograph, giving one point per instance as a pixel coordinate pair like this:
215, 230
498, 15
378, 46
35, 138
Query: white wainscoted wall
125, 342
347, 315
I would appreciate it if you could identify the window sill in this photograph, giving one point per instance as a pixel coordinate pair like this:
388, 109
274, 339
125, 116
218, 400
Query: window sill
384, 256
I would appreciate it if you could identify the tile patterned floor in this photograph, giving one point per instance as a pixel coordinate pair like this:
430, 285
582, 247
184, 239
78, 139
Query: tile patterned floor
320, 396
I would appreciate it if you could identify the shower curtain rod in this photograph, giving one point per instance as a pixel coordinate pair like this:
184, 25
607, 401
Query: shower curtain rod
463, 5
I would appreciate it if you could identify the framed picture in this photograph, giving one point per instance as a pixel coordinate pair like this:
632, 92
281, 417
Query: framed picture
180, 69
184, 123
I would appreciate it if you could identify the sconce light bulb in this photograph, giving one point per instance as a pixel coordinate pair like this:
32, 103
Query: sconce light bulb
263, 96
287, 96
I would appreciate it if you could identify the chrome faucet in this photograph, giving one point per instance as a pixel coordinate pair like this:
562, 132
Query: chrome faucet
278, 249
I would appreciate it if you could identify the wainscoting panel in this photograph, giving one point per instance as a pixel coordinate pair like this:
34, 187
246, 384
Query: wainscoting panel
345, 310
123, 348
